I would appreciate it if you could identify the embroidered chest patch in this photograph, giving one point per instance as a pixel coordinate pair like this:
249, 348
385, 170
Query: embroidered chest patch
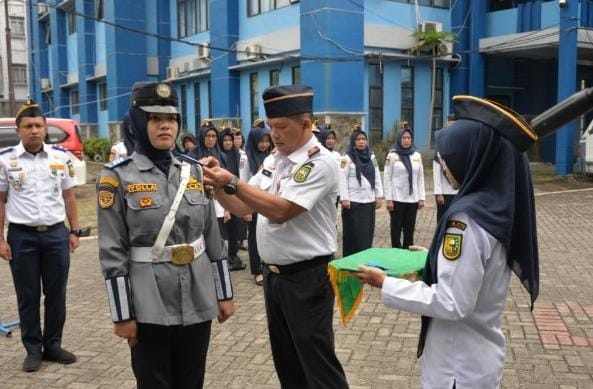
105, 198
452, 246
132, 188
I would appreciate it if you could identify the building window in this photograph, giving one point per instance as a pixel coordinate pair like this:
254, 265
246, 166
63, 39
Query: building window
99, 9
407, 92
47, 33
296, 75
274, 77
198, 117
428, 3
17, 25
102, 97
74, 102
256, 7
375, 103
192, 17
183, 96
253, 97
437, 107
497, 5
19, 74
71, 16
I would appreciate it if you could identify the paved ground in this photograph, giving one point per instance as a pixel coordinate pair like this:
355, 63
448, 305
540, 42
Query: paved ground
551, 347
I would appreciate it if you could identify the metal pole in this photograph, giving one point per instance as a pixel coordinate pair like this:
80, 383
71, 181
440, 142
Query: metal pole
11, 101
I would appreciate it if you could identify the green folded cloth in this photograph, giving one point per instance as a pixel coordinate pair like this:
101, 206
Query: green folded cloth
394, 262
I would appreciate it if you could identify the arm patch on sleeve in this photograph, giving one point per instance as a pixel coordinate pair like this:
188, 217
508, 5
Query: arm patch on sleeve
456, 224
452, 246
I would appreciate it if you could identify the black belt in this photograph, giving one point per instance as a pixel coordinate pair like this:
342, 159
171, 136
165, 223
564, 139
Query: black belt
41, 228
298, 266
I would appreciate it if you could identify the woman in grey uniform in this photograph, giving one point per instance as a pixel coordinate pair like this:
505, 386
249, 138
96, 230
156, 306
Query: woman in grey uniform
160, 249
487, 233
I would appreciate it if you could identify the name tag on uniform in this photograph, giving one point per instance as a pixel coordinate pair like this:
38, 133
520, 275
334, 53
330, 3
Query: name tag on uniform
133, 188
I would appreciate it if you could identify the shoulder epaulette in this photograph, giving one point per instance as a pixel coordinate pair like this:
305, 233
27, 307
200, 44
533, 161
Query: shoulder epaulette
117, 162
6, 150
56, 147
312, 151
187, 158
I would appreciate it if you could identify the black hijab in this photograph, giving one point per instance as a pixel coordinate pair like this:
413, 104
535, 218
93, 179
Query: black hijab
404, 155
138, 124
201, 151
496, 192
362, 159
255, 157
128, 136
232, 156
323, 134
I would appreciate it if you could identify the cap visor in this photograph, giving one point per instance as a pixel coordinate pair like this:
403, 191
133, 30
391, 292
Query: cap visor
159, 109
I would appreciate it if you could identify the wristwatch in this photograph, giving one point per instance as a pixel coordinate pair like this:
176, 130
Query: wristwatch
76, 232
231, 187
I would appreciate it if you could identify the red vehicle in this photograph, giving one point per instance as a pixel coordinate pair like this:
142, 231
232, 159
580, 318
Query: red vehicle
61, 132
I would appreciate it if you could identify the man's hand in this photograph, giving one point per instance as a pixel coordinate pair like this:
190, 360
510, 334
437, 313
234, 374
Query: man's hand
128, 330
226, 217
420, 204
248, 218
74, 242
5, 251
210, 162
217, 176
226, 309
370, 275
345, 204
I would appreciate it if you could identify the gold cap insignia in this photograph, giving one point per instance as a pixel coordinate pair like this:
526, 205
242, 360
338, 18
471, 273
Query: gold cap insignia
163, 90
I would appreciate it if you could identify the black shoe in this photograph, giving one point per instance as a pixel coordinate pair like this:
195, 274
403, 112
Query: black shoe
32, 363
235, 264
61, 356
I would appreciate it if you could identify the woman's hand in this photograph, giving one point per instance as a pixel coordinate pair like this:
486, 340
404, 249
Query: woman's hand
378, 202
440, 199
345, 204
226, 217
371, 276
226, 309
248, 218
420, 204
128, 330
390, 205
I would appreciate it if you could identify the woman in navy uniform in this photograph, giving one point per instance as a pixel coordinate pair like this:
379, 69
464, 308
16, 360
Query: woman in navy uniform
487, 233
160, 249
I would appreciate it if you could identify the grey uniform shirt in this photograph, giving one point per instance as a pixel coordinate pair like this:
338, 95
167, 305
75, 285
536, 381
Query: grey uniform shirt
465, 343
162, 293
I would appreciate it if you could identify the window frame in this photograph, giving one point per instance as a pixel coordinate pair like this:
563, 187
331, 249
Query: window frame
74, 101
18, 70
431, 3
274, 77
407, 109
197, 104
192, 17
102, 96
296, 78
17, 26
273, 5
376, 133
253, 96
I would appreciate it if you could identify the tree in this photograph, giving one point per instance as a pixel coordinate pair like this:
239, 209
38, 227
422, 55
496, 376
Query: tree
435, 43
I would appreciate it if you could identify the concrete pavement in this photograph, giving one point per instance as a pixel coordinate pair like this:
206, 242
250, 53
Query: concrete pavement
551, 347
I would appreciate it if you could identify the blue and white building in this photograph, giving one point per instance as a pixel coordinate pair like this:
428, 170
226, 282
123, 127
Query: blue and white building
222, 54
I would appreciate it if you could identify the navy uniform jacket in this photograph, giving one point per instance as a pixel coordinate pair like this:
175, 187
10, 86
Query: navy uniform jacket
133, 199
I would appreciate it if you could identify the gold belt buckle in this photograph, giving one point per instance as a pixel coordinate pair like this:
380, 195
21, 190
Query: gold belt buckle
274, 269
41, 228
182, 254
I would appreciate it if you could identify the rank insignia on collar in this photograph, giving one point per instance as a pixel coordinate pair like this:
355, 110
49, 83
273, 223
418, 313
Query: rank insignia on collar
452, 246
303, 172
105, 198
312, 151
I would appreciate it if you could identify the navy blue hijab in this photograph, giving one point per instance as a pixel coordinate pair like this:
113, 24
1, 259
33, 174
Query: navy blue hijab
255, 157
404, 155
232, 156
138, 121
362, 159
496, 192
201, 151
323, 134
128, 136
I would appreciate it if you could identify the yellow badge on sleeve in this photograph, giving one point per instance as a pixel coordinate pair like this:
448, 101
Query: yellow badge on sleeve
109, 181
105, 198
452, 246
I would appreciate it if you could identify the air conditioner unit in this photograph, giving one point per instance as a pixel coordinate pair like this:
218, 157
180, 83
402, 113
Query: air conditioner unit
445, 50
252, 52
42, 8
204, 51
186, 68
430, 26
172, 72
45, 83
